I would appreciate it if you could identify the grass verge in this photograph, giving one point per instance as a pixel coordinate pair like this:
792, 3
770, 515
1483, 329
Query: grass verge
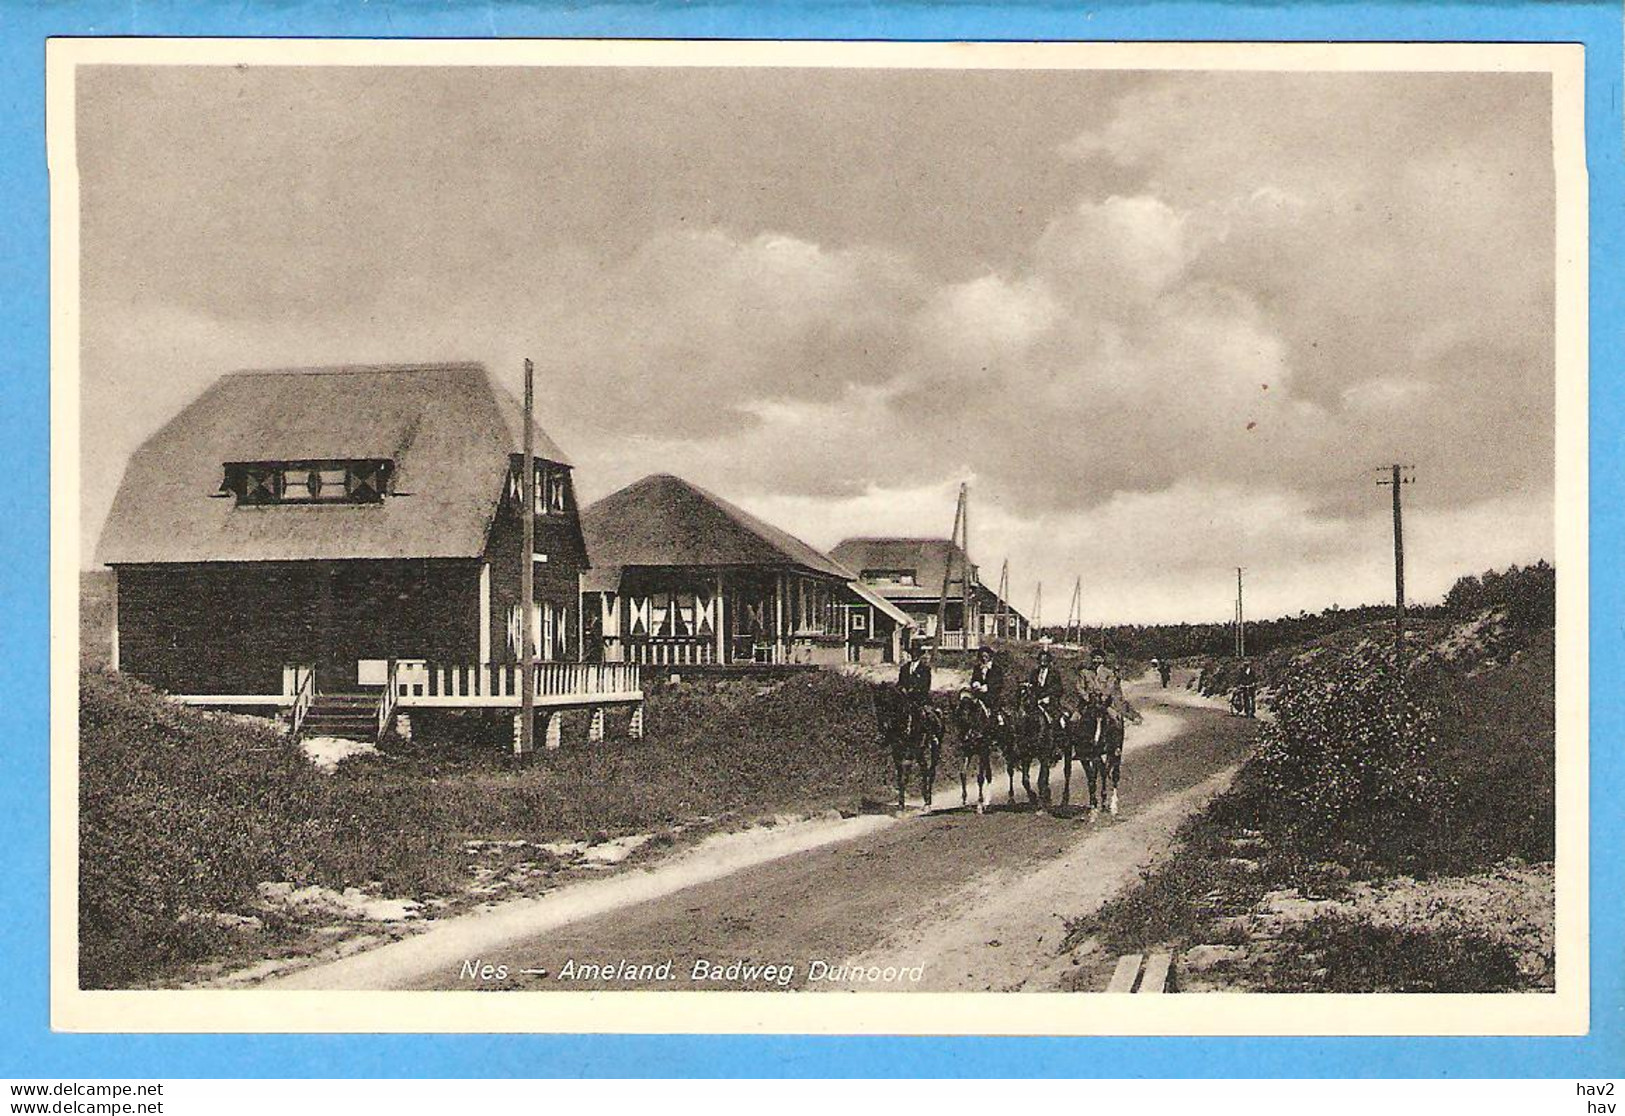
183, 814
1492, 752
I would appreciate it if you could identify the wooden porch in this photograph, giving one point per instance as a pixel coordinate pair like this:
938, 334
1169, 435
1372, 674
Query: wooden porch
417, 684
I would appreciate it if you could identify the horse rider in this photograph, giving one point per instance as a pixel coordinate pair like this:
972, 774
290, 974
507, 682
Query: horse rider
1047, 686
1103, 686
1247, 684
914, 683
986, 681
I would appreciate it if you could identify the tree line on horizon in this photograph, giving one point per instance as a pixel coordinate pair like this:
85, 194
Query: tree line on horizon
1527, 595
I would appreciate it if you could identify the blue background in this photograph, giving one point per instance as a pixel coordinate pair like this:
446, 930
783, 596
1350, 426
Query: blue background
29, 1049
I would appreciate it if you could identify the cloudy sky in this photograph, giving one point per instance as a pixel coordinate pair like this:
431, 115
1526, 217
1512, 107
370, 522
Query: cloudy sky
1164, 324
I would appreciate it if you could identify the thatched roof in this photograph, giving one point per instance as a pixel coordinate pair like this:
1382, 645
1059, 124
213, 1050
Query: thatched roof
448, 429
926, 557
663, 521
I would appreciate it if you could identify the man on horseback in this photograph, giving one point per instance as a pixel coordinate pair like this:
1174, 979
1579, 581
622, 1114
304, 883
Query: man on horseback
1103, 691
914, 683
986, 681
1046, 683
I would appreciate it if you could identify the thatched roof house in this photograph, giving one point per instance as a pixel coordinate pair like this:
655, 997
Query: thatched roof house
909, 572
681, 575
336, 518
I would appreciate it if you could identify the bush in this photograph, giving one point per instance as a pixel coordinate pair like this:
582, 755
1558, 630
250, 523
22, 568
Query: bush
1350, 742
184, 813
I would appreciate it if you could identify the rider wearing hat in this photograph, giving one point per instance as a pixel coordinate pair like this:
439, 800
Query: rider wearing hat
914, 679
1046, 682
1103, 686
986, 680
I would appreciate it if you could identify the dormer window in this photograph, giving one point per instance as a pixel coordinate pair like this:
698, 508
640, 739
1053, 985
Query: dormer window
891, 577
307, 482
552, 487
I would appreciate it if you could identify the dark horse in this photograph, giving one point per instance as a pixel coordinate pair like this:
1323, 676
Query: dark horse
913, 737
981, 728
1096, 738
1034, 738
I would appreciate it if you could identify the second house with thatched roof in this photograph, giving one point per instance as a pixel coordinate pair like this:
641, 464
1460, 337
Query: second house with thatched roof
681, 577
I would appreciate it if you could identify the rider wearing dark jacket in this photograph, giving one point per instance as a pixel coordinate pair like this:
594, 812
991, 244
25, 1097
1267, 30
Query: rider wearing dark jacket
914, 678
1047, 685
987, 680
914, 683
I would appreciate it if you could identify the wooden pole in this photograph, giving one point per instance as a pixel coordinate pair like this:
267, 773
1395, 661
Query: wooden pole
965, 573
948, 569
527, 577
718, 618
1399, 568
1001, 610
1396, 478
1241, 620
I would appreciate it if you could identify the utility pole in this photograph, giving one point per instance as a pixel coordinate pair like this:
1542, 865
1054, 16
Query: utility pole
965, 571
1241, 620
948, 572
1398, 477
527, 578
1074, 613
1038, 612
1001, 611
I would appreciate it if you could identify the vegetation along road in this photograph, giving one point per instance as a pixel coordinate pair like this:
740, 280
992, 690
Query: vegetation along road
950, 899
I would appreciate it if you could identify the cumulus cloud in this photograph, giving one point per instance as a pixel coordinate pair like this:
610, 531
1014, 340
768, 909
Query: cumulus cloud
1225, 299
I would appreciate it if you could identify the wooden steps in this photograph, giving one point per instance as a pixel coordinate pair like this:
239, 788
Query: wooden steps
348, 716
1135, 973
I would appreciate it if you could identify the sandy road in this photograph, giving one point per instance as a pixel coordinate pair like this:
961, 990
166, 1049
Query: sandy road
975, 901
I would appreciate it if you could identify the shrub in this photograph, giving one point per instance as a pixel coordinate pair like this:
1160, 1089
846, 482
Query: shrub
183, 813
1348, 756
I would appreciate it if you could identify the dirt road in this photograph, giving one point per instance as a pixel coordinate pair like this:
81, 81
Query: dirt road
950, 899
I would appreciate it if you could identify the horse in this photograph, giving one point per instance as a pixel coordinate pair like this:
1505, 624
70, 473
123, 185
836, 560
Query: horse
1033, 738
980, 728
911, 738
1097, 738
1073, 732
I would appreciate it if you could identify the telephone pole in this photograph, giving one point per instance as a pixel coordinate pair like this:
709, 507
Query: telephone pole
1074, 613
1001, 610
527, 578
1241, 621
966, 572
948, 573
1038, 612
1398, 477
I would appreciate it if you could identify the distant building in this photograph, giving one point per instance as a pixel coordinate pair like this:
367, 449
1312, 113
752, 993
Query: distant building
313, 530
910, 572
681, 576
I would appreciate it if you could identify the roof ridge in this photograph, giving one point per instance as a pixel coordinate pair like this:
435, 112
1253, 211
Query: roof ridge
359, 369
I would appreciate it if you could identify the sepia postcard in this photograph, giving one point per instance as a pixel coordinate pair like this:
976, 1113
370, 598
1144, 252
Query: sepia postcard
866, 538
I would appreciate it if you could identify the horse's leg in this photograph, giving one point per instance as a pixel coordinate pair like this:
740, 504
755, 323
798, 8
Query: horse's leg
984, 776
1066, 773
929, 775
902, 775
964, 782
